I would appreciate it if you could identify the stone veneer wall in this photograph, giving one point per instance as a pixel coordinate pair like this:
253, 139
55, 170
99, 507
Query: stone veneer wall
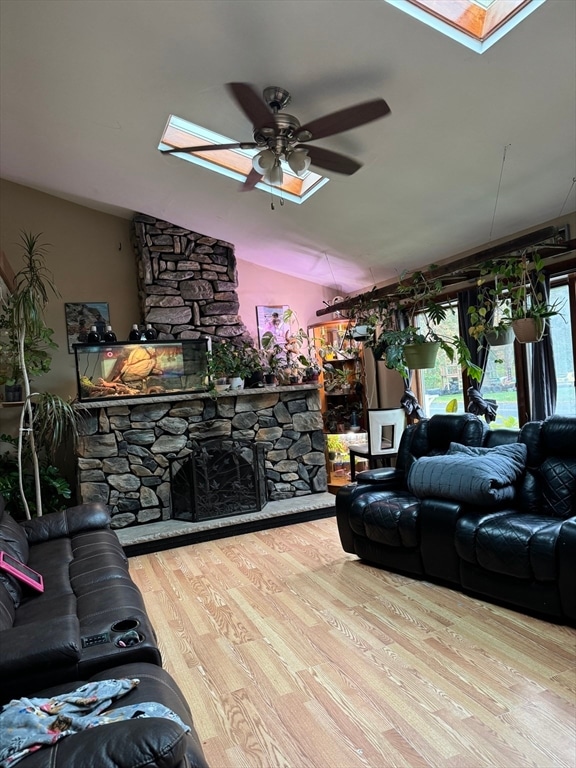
187, 282
125, 449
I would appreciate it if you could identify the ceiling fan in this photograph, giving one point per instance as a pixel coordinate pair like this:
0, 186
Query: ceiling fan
280, 136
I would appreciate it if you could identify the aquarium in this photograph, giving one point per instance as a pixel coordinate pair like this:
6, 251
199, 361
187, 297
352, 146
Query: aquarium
137, 369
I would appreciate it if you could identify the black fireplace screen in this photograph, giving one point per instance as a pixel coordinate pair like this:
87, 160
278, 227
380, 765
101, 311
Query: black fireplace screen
218, 479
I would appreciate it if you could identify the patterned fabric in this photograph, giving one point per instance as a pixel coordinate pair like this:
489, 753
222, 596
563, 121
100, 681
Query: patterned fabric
27, 725
474, 475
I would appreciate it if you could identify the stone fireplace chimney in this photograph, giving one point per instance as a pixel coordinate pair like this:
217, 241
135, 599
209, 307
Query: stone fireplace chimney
186, 282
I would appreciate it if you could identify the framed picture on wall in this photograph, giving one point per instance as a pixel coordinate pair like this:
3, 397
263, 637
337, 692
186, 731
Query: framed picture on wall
81, 316
271, 320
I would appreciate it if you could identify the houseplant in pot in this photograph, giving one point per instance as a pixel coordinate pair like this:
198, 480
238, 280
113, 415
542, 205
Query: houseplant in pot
522, 286
227, 365
255, 361
275, 358
46, 420
416, 346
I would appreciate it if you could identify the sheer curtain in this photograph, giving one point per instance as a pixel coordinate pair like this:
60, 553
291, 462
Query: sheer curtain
543, 376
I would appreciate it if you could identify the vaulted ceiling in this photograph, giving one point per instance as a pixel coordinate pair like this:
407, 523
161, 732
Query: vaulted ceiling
477, 147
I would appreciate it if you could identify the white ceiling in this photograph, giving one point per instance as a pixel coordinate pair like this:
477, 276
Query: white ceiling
87, 88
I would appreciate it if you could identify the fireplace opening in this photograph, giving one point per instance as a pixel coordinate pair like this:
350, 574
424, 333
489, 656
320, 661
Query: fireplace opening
219, 478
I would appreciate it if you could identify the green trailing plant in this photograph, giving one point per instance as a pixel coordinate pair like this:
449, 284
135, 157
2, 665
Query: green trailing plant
46, 420
372, 313
229, 360
523, 281
514, 291
492, 313
418, 296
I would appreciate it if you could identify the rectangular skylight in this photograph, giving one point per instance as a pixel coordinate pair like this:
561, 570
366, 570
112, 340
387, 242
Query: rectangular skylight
477, 24
234, 163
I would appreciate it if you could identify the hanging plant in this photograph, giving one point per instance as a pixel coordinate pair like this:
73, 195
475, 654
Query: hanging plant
418, 295
523, 282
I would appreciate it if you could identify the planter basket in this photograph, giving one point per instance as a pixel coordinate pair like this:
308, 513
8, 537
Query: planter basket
494, 339
528, 330
421, 355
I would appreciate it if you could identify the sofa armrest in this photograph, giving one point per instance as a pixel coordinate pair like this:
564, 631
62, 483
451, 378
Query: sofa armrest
138, 742
56, 525
566, 553
389, 476
373, 480
37, 655
438, 518
27, 647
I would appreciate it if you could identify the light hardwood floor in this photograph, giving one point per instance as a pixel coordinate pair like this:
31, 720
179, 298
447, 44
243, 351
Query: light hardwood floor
294, 654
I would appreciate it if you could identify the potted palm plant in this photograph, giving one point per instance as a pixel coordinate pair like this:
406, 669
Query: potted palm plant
46, 420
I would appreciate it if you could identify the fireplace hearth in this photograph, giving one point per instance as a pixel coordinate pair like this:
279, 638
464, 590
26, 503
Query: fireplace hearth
219, 478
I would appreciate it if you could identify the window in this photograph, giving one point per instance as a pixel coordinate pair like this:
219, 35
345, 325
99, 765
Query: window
560, 333
442, 385
500, 385
442, 390
477, 24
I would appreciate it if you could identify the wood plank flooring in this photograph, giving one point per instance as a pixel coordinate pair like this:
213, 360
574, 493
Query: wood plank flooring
294, 654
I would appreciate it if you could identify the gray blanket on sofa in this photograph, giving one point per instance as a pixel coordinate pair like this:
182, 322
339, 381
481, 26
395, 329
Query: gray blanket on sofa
482, 476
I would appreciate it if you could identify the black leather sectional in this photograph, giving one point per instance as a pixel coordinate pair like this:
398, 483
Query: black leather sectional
89, 625
459, 519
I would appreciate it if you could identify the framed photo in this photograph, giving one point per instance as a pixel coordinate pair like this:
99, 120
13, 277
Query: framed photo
271, 319
82, 316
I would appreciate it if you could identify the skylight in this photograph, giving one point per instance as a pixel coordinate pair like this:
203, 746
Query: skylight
234, 163
477, 24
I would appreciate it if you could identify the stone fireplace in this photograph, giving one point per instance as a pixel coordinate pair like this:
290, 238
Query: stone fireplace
187, 287
127, 446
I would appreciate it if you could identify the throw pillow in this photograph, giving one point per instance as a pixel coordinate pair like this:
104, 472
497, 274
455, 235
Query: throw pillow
486, 478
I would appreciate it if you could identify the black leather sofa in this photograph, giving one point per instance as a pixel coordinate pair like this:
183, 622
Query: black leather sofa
519, 551
89, 624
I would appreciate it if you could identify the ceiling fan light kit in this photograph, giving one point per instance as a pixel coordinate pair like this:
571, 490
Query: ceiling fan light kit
279, 135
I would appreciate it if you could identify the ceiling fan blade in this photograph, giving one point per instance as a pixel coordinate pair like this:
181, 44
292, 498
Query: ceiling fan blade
332, 161
251, 104
251, 180
210, 147
345, 119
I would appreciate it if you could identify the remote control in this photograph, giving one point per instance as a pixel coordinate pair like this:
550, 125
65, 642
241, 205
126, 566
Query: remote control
88, 642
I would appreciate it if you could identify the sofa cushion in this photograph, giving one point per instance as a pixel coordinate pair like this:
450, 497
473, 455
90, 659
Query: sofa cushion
388, 518
483, 476
510, 543
558, 478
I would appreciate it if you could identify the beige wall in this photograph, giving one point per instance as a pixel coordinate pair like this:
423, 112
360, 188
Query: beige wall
92, 259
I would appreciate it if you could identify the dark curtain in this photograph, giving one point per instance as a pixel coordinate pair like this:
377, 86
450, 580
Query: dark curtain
543, 376
478, 405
